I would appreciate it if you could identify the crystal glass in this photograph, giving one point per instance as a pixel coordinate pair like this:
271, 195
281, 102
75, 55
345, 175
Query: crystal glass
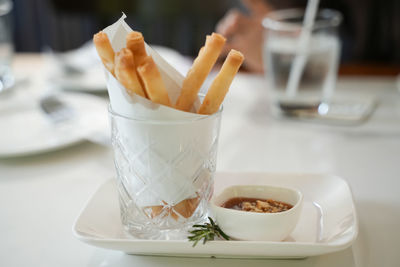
165, 171
321, 55
6, 45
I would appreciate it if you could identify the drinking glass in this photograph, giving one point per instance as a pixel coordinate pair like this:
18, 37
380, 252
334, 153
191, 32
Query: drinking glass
165, 171
318, 77
6, 45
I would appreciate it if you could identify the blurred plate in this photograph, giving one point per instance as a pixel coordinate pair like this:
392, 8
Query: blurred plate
26, 130
91, 80
82, 70
342, 110
77, 70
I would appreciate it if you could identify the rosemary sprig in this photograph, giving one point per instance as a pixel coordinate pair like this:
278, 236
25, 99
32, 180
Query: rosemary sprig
207, 231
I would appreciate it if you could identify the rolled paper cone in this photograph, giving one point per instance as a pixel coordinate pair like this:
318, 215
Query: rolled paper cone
176, 188
125, 72
201, 67
105, 50
153, 83
220, 86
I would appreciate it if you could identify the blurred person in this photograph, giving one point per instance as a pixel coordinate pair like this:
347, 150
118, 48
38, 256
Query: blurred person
244, 32
370, 32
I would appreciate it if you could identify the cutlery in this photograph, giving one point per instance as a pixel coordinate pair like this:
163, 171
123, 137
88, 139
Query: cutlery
56, 109
59, 112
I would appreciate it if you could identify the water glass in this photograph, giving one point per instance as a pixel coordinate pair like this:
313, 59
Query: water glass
6, 45
165, 172
321, 55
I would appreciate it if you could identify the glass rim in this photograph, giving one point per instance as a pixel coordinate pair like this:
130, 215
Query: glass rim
275, 20
166, 121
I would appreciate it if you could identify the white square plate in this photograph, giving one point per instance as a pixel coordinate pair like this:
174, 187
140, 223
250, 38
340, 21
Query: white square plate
328, 221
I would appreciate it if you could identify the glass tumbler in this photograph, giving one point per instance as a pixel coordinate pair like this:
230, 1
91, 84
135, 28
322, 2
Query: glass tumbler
165, 171
320, 58
6, 45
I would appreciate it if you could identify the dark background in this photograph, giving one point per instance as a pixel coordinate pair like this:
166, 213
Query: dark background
370, 31
66, 24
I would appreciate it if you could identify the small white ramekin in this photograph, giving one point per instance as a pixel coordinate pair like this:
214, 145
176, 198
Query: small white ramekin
244, 225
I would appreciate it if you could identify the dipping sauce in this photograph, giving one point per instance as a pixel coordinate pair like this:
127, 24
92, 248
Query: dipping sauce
256, 205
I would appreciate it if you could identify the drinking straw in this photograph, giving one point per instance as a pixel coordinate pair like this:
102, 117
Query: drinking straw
301, 52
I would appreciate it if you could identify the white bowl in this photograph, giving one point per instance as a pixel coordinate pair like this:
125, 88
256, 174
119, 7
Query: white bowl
244, 225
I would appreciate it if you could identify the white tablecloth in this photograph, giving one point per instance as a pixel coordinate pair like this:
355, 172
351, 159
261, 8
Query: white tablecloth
40, 196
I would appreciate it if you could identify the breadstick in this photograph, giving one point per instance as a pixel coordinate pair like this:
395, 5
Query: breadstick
153, 83
185, 208
125, 72
199, 71
104, 49
156, 210
220, 86
135, 43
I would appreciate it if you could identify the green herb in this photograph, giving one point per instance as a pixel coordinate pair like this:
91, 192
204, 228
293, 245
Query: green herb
207, 231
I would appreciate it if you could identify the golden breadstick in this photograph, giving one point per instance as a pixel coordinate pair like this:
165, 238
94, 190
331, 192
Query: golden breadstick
135, 43
199, 71
185, 208
220, 86
125, 72
157, 210
104, 49
153, 83
200, 50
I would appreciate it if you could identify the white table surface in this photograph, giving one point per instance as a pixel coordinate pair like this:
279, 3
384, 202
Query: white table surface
40, 196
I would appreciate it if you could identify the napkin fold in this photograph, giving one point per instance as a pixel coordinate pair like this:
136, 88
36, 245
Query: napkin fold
162, 154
